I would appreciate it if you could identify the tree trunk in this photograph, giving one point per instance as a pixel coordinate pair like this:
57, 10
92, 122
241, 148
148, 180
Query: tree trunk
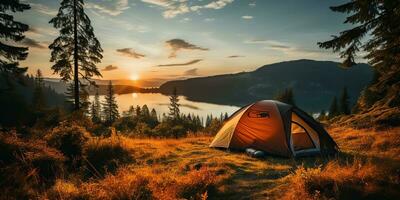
76, 77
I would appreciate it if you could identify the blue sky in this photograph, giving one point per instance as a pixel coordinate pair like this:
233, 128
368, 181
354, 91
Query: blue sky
173, 39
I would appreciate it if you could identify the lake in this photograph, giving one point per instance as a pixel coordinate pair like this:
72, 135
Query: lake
161, 102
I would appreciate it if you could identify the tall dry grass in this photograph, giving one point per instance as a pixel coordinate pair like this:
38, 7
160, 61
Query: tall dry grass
27, 167
142, 183
355, 180
378, 143
367, 168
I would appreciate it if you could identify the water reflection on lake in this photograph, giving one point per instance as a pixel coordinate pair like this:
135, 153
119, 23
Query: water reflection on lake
160, 103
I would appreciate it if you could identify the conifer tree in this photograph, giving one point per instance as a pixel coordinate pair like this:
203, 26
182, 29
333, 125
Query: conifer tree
199, 122
83, 95
145, 111
12, 31
153, 114
174, 105
130, 112
110, 107
38, 99
375, 30
138, 111
77, 50
286, 96
333, 109
84, 99
344, 102
96, 108
322, 115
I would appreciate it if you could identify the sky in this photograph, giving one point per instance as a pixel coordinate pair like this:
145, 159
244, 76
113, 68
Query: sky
160, 40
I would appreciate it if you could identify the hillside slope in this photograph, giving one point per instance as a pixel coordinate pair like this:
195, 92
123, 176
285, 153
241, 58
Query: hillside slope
315, 83
176, 169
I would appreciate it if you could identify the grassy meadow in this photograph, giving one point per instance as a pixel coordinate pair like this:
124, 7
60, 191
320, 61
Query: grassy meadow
76, 165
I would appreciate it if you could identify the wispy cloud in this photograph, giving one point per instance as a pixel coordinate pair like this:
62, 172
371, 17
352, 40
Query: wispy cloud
247, 17
172, 8
109, 68
272, 44
191, 72
114, 8
184, 20
236, 56
32, 43
209, 19
279, 46
181, 64
178, 44
289, 50
39, 31
43, 9
218, 4
269, 43
129, 52
123, 24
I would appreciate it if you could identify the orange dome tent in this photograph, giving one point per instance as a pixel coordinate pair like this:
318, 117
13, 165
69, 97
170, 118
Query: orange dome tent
275, 128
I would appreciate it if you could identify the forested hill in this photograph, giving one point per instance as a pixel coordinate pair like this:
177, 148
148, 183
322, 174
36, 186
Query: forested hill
16, 100
314, 84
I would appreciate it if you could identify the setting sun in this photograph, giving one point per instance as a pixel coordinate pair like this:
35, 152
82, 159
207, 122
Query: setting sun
134, 77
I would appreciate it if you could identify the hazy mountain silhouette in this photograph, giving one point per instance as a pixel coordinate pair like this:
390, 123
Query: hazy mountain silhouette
120, 86
314, 84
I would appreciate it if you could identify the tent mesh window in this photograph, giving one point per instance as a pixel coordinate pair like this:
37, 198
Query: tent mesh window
301, 138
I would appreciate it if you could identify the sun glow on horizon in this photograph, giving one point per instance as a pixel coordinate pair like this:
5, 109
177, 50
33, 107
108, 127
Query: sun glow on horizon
134, 77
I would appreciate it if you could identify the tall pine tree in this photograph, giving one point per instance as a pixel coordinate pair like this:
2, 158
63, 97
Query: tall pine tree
153, 114
39, 99
344, 102
286, 96
333, 109
77, 50
11, 31
375, 31
110, 107
322, 115
96, 108
174, 105
83, 96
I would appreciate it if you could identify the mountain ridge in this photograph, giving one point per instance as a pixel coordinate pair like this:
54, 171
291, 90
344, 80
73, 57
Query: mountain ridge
315, 83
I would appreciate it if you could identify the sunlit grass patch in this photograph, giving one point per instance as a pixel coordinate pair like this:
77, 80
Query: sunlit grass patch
356, 180
379, 143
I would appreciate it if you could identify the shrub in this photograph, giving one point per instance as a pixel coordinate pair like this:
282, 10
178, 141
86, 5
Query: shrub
143, 129
178, 131
26, 166
49, 118
68, 139
125, 124
166, 129
104, 155
34, 154
162, 130
214, 126
101, 130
